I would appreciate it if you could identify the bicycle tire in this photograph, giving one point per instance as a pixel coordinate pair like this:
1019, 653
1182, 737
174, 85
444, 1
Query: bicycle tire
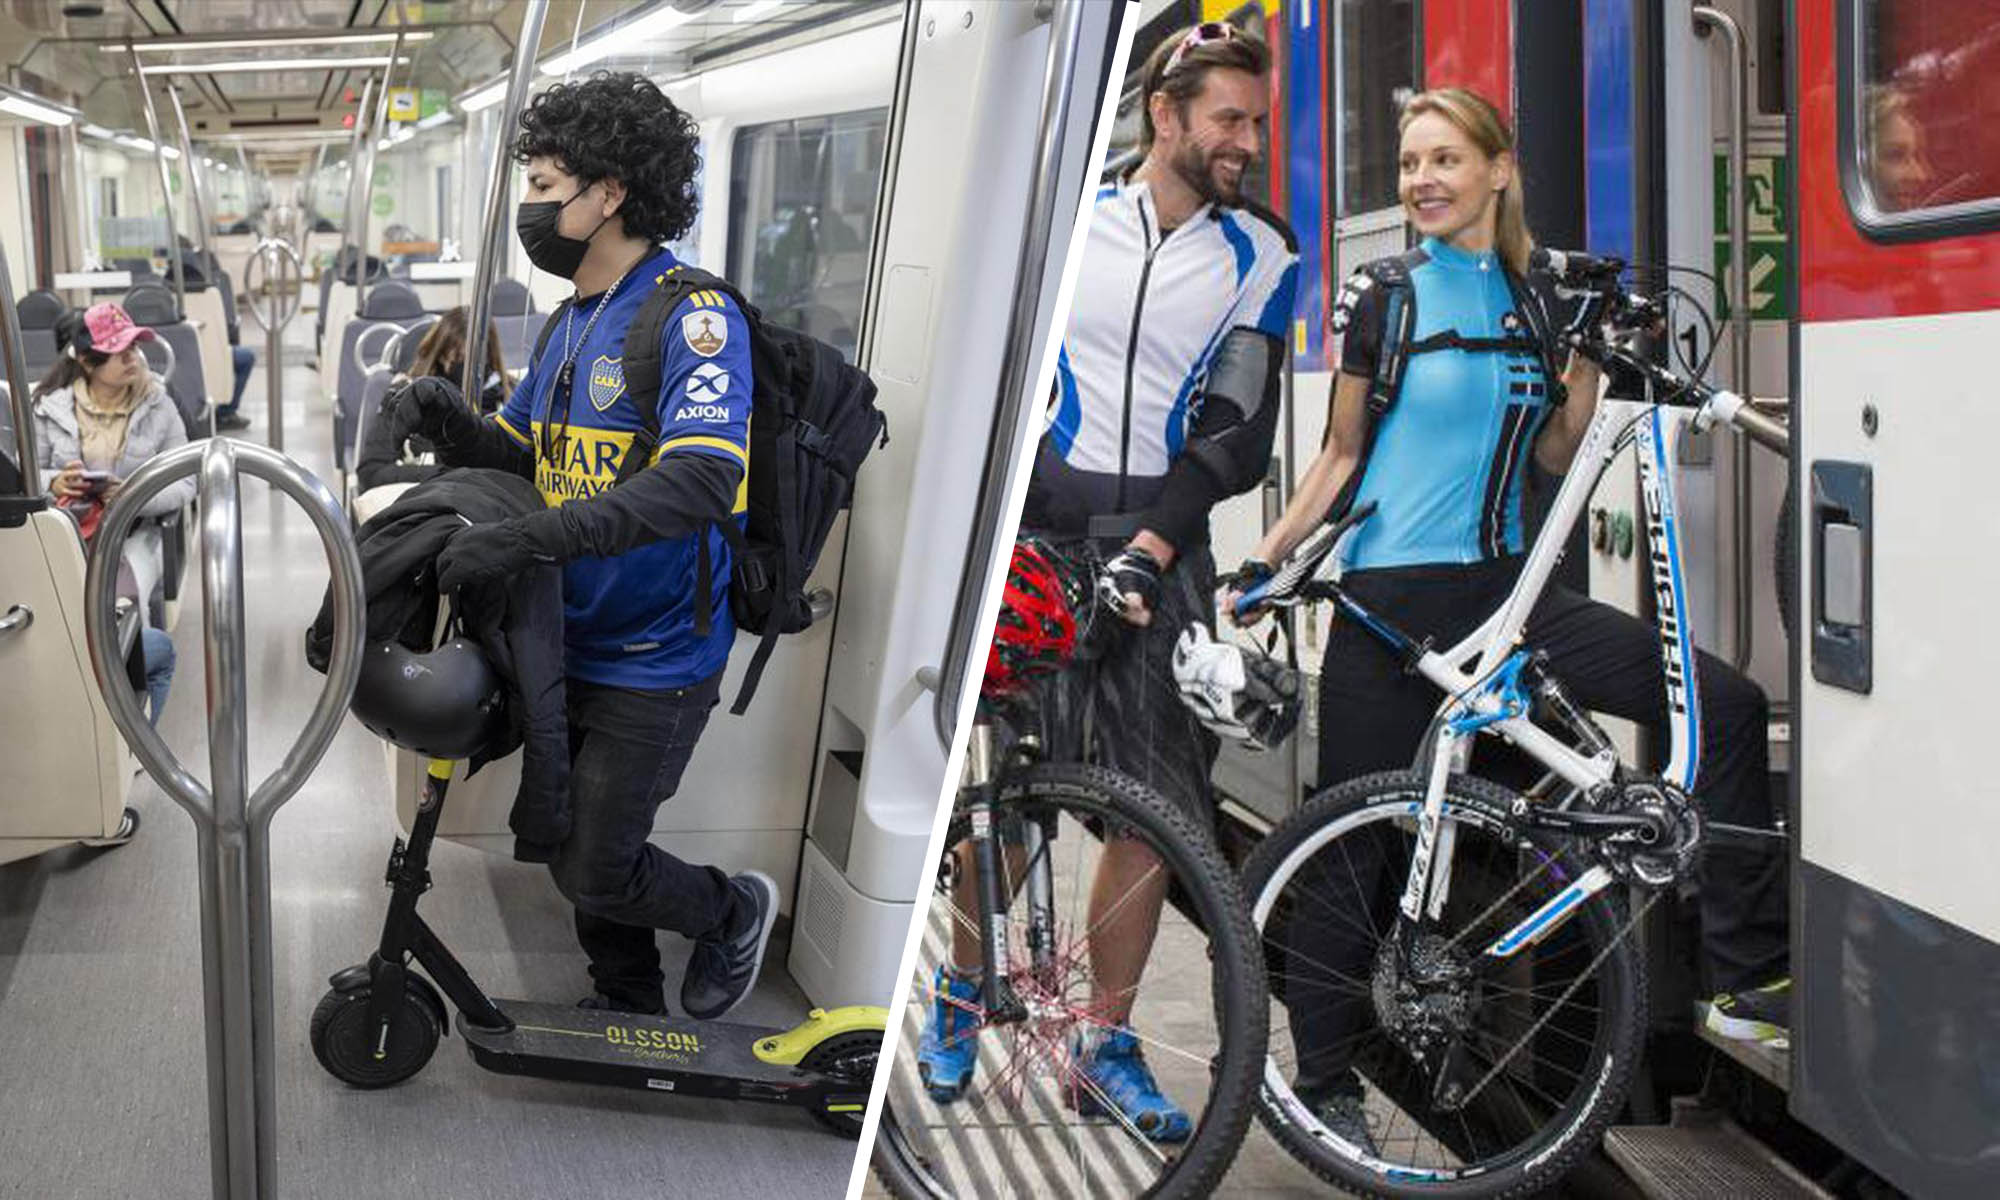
1237, 981
1604, 1080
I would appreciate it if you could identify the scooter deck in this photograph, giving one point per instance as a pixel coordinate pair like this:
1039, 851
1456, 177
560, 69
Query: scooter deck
662, 1054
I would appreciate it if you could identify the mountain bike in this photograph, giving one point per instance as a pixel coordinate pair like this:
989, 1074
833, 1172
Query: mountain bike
1496, 1000
1028, 841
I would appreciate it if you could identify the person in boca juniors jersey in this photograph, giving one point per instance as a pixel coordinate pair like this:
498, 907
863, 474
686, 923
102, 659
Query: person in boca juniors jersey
611, 167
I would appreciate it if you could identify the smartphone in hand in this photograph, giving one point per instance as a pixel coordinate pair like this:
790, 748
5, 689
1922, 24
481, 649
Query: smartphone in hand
96, 483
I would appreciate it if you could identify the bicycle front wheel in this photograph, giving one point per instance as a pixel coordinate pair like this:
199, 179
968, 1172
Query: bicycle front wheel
1126, 941
1482, 1067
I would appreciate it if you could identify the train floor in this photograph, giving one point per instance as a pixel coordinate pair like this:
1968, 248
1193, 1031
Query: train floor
102, 1061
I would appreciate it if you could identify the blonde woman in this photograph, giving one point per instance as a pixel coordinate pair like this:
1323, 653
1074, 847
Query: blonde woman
1446, 464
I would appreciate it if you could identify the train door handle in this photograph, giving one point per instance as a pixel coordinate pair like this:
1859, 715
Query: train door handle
1842, 541
17, 618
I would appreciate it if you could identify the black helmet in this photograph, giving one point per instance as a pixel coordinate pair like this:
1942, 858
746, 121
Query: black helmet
447, 703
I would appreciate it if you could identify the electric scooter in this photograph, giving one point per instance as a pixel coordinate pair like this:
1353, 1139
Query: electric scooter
379, 1022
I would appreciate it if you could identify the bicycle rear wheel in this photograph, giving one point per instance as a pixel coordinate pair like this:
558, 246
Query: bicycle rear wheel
1542, 1043
1032, 1121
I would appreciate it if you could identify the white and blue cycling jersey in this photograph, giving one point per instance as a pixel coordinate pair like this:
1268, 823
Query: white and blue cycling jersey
1450, 458
1151, 307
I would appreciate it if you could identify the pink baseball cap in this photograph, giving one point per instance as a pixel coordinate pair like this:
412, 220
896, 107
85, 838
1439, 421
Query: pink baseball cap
107, 329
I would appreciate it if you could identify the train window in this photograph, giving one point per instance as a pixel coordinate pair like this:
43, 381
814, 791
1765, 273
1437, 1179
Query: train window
1920, 126
801, 215
1375, 66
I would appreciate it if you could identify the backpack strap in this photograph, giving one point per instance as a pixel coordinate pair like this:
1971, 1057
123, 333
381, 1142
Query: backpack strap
1399, 318
641, 365
1528, 301
548, 331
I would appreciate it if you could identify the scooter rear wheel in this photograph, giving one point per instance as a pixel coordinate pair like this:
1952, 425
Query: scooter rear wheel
345, 1045
851, 1058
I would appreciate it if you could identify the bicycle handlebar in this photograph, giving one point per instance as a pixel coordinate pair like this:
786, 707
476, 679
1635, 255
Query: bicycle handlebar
1287, 584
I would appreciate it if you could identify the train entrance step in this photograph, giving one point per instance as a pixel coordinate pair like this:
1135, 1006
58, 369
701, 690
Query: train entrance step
1700, 1157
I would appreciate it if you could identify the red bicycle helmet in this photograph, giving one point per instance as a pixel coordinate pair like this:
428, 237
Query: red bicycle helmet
1035, 632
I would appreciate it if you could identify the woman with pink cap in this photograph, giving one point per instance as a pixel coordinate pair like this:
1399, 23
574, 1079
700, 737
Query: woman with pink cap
99, 416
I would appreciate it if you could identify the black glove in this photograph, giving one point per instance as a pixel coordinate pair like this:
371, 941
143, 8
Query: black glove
480, 553
432, 406
1132, 572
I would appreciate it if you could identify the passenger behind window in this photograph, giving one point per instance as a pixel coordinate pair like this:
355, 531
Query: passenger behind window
388, 453
101, 414
1898, 166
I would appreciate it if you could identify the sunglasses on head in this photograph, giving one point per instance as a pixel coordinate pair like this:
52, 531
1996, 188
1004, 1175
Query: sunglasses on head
1201, 35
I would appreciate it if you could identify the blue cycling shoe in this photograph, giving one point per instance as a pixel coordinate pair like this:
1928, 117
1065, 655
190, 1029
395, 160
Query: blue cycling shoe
1117, 1072
950, 1045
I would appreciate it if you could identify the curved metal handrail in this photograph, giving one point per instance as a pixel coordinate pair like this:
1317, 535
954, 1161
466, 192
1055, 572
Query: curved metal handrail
219, 460
284, 304
234, 821
165, 347
361, 363
286, 299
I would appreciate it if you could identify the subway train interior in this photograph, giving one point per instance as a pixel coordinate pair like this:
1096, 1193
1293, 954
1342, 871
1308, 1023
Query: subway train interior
1841, 152
289, 194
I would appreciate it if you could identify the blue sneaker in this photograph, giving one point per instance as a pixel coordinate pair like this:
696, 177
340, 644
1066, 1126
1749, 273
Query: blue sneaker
950, 1045
1117, 1071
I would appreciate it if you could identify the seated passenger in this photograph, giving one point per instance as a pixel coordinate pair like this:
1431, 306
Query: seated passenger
101, 414
388, 453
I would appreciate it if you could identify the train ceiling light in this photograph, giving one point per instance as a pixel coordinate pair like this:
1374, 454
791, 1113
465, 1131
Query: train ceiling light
239, 65
625, 37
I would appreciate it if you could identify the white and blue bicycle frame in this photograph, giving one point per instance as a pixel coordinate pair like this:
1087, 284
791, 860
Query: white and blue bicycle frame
1489, 695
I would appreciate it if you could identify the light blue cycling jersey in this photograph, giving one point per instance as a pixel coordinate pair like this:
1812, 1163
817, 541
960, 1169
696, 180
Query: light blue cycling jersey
1450, 457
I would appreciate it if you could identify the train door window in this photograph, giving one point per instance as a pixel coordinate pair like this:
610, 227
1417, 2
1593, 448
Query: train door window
1919, 119
801, 214
1375, 70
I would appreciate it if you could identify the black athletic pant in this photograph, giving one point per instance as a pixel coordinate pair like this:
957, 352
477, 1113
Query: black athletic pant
1373, 716
627, 751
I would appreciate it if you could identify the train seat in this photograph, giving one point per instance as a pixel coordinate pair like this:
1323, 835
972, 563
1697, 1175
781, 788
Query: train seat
39, 311
208, 318
392, 305
380, 372
335, 312
517, 337
51, 700
152, 304
511, 298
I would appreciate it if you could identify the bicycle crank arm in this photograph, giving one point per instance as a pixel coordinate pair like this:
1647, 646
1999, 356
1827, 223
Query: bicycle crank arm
1598, 825
1552, 915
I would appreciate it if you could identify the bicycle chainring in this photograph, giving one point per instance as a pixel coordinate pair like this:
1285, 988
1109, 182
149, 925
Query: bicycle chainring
1665, 859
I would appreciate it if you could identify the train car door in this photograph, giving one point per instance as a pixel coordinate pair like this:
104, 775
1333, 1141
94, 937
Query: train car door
1897, 905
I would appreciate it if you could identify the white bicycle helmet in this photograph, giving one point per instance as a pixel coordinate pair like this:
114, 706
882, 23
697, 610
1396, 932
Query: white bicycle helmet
1240, 694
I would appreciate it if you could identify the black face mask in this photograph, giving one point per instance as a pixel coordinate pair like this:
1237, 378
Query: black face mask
549, 250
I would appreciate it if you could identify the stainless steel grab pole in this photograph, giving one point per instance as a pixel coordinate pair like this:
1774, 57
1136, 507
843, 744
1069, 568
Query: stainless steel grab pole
493, 239
1023, 354
14, 360
166, 178
1708, 19
371, 145
233, 821
195, 176
276, 258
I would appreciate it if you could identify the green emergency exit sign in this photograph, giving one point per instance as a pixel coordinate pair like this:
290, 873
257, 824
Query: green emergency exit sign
1768, 180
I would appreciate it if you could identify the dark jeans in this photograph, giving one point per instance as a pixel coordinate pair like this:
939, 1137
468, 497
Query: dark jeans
1373, 716
242, 359
627, 752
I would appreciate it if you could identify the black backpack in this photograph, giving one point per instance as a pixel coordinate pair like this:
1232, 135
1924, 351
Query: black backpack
813, 420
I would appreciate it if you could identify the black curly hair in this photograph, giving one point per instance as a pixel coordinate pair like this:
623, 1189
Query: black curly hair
618, 125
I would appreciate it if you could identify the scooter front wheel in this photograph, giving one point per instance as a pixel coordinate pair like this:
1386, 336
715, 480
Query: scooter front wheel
356, 1054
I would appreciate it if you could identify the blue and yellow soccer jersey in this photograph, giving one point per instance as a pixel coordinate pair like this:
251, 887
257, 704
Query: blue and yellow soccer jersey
629, 620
